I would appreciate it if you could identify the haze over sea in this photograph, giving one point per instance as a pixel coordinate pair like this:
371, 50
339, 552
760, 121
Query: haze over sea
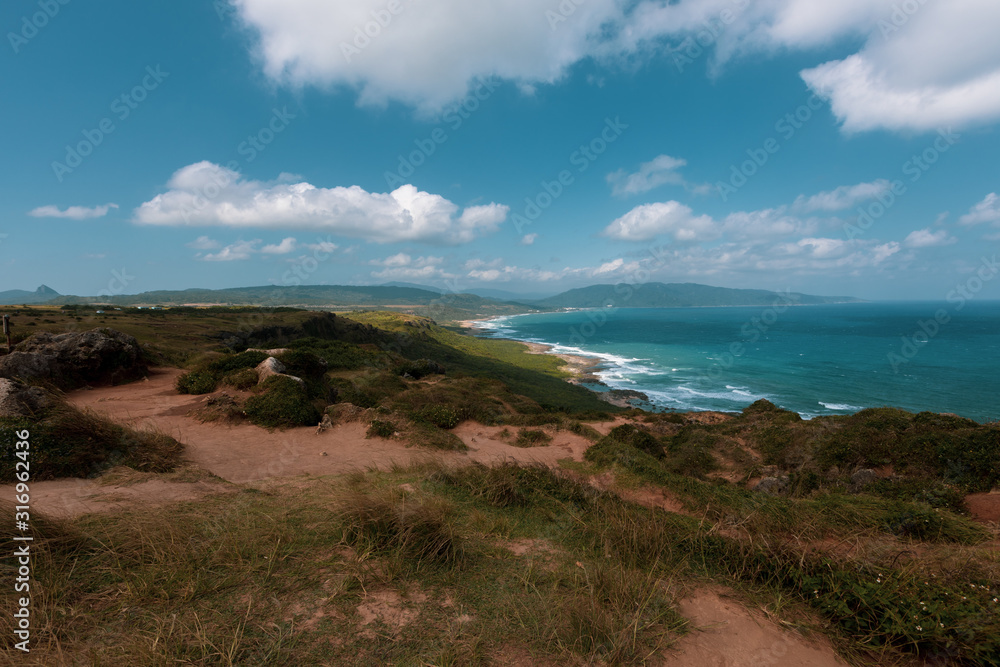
815, 360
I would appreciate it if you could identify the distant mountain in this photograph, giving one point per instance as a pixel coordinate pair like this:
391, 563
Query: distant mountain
677, 295
504, 295
498, 294
420, 301
18, 296
427, 288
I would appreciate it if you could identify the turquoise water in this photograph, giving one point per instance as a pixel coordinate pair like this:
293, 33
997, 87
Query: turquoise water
815, 360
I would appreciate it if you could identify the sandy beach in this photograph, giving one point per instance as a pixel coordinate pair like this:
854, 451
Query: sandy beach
580, 367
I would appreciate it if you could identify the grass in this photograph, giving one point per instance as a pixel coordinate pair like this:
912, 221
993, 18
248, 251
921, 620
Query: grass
281, 402
68, 442
531, 438
271, 576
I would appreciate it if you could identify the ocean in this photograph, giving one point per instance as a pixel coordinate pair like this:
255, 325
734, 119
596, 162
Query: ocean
815, 360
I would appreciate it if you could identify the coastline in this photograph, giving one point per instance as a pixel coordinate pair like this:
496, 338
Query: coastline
583, 370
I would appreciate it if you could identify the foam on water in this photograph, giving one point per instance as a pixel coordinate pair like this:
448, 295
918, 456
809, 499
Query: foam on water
816, 360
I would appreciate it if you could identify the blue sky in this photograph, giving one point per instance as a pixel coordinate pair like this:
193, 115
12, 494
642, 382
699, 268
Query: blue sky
524, 145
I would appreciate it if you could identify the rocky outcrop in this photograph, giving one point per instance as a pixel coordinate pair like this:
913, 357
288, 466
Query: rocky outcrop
775, 486
19, 400
271, 367
71, 360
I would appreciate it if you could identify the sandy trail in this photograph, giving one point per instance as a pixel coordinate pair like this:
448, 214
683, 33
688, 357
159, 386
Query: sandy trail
727, 634
244, 453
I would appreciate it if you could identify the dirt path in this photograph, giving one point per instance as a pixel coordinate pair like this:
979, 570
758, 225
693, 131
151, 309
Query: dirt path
726, 634
245, 453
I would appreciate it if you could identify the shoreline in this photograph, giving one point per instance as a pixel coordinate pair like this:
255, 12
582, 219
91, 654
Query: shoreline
581, 368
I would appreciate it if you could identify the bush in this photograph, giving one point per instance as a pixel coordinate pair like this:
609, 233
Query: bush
384, 522
197, 382
304, 364
236, 362
532, 438
425, 435
243, 379
634, 437
442, 416
69, 442
690, 452
379, 428
282, 402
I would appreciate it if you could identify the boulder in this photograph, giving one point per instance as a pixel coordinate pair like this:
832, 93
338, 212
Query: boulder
19, 400
774, 486
269, 367
71, 360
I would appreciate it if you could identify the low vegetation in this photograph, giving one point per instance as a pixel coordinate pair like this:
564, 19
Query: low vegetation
67, 442
856, 524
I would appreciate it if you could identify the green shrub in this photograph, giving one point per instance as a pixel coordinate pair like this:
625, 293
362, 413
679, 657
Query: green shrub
303, 364
425, 435
379, 428
442, 416
243, 379
281, 402
68, 442
236, 362
197, 382
531, 438
637, 438
690, 452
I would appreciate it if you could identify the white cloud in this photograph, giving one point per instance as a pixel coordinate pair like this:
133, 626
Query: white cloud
404, 267
937, 64
286, 246
671, 218
528, 239
203, 243
987, 210
925, 238
322, 246
427, 53
765, 223
72, 213
659, 171
846, 196
235, 252
208, 194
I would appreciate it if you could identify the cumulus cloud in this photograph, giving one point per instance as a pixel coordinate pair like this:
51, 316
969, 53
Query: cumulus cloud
925, 238
846, 196
661, 170
939, 65
528, 239
203, 243
987, 210
922, 64
402, 266
286, 246
238, 251
72, 213
669, 218
770, 222
208, 194
426, 53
